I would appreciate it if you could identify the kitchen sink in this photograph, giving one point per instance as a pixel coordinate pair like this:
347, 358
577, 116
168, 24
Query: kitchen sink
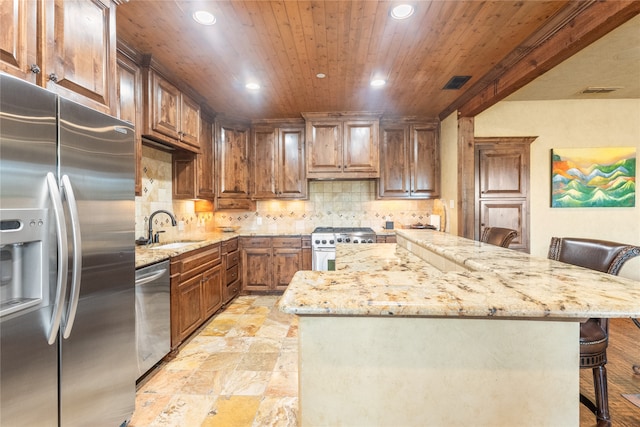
174, 245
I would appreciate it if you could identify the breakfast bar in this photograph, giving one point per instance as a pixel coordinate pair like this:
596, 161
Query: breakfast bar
441, 330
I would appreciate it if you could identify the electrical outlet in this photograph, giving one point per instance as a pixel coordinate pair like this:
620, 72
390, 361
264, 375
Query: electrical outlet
452, 204
259, 220
180, 225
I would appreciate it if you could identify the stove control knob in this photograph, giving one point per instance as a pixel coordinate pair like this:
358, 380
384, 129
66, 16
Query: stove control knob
370, 241
324, 242
355, 240
317, 242
331, 242
339, 239
347, 239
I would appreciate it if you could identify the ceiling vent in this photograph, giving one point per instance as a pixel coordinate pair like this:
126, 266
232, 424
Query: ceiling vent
600, 89
456, 82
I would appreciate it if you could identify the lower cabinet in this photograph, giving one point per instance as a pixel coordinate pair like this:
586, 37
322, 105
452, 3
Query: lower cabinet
196, 290
389, 238
307, 259
231, 257
269, 263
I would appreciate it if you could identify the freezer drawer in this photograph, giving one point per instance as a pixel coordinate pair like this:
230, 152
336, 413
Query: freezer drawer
153, 315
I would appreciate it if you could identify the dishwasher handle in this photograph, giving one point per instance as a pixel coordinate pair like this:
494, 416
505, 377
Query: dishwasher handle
150, 277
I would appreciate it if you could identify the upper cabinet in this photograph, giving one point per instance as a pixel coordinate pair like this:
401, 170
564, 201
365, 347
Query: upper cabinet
278, 170
233, 168
170, 116
18, 39
69, 47
129, 105
410, 161
342, 145
205, 160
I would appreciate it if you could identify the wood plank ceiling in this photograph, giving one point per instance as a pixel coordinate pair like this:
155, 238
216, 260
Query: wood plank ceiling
282, 45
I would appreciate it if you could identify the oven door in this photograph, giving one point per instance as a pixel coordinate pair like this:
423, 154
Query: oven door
324, 259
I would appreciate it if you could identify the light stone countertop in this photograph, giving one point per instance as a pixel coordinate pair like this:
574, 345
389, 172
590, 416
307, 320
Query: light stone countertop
501, 283
379, 256
146, 255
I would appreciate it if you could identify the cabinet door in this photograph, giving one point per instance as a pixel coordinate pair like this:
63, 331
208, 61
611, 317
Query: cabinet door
184, 175
18, 38
324, 148
502, 172
212, 290
507, 213
233, 163
129, 106
205, 161
394, 163
290, 170
425, 162
189, 121
190, 314
286, 263
165, 105
360, 151
264, 143
82, 62
256, 269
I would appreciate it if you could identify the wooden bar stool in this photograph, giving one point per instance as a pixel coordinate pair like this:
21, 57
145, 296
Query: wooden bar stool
607, 257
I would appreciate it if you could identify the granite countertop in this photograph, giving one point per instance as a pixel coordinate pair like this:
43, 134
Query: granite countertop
379, 256
500, 283
147, 255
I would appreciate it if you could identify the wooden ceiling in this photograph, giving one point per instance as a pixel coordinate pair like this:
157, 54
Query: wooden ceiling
282, 45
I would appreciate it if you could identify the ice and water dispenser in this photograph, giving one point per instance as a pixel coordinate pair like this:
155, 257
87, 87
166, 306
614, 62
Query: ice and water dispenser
23, 259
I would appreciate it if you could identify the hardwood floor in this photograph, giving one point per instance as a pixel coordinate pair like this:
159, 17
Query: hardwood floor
622, 354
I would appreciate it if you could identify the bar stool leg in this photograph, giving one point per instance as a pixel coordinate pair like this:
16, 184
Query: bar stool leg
602, 398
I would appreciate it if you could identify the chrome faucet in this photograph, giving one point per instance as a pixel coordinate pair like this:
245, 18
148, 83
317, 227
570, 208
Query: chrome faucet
156, 238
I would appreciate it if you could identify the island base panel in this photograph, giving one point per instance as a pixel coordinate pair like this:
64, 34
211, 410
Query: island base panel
379, 371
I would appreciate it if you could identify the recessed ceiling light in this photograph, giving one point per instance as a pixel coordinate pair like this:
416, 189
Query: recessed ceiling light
321, 75
203, 17
378, 82
252, 86
402, 11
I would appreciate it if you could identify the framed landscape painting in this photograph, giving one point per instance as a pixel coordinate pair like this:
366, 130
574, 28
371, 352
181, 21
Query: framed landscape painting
593, 177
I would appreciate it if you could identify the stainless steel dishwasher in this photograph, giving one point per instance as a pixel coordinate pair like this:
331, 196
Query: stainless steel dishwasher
153, 315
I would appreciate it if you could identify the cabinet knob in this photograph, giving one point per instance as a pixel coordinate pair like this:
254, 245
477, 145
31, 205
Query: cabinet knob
35, 69
53, 77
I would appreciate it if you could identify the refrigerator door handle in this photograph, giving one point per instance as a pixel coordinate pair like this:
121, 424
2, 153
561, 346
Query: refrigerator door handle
63, 250
76, 271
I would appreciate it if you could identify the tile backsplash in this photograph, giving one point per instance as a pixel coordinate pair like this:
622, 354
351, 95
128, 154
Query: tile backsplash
330, 203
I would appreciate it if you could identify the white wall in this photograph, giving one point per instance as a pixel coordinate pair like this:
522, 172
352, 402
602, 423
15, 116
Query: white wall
570, 124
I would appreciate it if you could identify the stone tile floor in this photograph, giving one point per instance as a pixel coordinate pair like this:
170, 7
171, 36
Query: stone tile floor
240, 369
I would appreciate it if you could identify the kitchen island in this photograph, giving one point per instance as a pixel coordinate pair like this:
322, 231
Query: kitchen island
487, 337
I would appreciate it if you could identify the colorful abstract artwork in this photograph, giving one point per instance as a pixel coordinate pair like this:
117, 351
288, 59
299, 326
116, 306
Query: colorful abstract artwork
593, 177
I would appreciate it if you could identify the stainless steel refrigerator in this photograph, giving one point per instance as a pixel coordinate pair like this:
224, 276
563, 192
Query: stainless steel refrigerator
67, 308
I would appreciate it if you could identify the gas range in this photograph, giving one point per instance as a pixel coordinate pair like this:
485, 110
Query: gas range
327, 237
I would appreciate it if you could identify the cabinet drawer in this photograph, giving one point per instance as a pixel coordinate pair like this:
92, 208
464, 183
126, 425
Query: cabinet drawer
230, 245
232, 259
231, 290
232, 274
256, 242
287, 242
194, 262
